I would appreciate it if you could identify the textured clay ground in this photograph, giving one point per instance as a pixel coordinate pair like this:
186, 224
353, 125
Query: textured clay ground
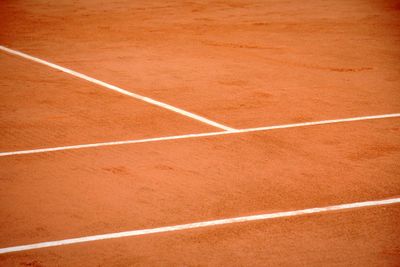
240, 63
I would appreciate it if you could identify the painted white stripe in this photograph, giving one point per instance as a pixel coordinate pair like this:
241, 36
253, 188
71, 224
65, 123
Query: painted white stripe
156, 139
43, 150
302, 124
117, 89
199, 225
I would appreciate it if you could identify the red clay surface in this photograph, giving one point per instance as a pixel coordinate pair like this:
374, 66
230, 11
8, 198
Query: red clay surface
365, 237
240, 63
41, 107
70, 194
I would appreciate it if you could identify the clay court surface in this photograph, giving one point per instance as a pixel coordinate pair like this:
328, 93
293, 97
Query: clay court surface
198, 141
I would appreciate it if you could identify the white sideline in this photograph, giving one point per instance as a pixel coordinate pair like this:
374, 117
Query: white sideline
118, 89
199, 225
303, 124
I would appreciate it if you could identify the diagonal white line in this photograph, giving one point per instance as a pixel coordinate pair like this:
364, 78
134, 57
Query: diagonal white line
199, 225
118, 89
186, 136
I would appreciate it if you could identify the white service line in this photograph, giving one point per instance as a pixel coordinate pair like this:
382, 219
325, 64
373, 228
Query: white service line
118, 89
199, 225
186, 136
52, 149
302, 124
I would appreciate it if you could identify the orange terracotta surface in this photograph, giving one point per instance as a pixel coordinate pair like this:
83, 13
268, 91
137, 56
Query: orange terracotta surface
367, 237
239, 63
69, 194
242, 63
41, 107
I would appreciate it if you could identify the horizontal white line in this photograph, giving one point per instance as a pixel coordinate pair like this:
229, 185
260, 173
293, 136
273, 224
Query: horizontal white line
117, 89
303, 124
199, 225
43, 150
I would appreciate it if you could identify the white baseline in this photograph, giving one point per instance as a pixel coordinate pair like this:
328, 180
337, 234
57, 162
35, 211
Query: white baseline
186, 136
118, 89
199, 225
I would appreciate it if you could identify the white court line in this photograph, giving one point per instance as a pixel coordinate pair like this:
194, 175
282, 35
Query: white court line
118, 89
267, 128
199, 225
